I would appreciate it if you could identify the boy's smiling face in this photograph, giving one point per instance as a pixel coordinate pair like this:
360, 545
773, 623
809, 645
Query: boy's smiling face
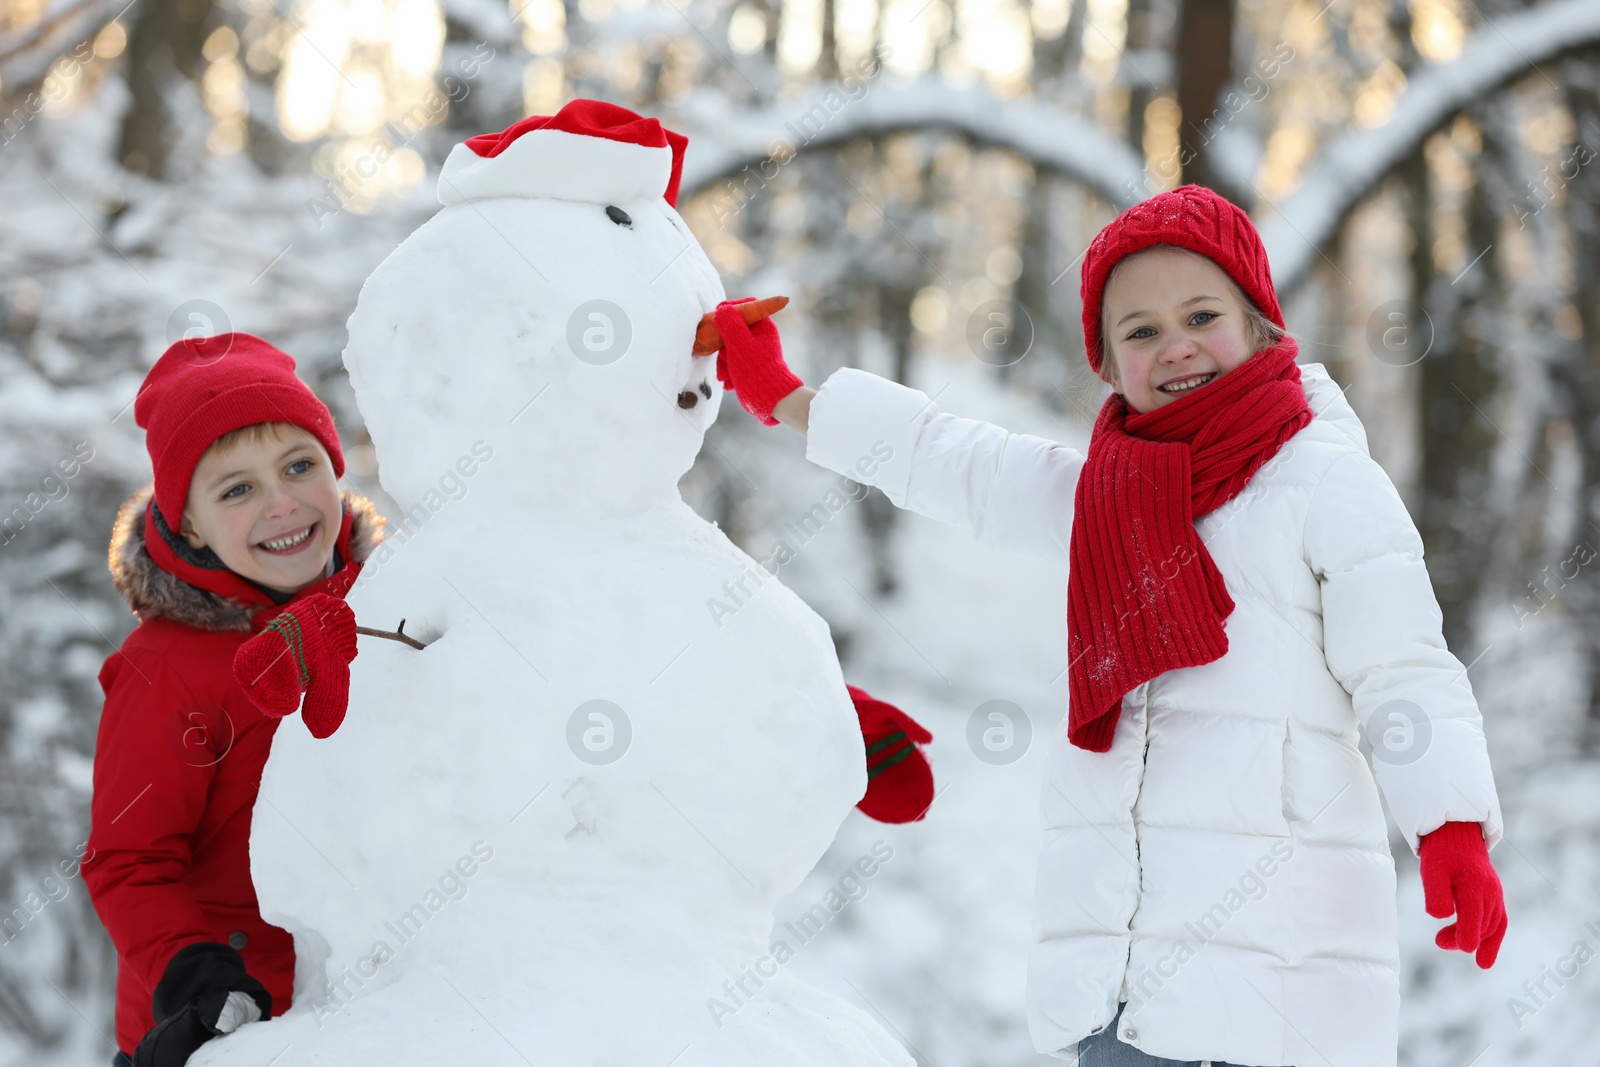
268, 506
1170, 315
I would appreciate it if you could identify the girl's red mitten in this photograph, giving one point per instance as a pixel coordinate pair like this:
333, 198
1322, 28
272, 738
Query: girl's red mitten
1459, 880
751, 361
307, 648
899, 779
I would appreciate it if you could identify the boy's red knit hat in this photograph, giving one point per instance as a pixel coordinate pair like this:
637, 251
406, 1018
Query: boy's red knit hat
1192, 217
204, 387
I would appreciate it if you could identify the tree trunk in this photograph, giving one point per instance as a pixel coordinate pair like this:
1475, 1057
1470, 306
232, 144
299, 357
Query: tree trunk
163, 50
828, 59
1204, 51
1140, 38
1459, 384
1578, 370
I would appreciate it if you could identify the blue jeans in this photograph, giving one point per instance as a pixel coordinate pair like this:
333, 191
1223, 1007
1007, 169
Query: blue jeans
1104, 1050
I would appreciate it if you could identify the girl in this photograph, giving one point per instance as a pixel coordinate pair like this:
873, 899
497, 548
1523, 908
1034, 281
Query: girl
1245, 589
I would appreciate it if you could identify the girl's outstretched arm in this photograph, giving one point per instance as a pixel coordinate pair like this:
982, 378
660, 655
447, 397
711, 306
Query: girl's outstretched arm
1011, 491
795, 409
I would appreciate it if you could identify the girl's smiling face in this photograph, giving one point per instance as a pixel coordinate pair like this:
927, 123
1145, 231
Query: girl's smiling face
1170, 316
268, 505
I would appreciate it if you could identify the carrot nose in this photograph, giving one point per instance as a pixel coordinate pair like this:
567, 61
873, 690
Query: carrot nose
708, 339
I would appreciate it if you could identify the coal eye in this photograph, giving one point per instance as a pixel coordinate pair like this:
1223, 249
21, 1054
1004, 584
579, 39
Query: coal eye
618, 216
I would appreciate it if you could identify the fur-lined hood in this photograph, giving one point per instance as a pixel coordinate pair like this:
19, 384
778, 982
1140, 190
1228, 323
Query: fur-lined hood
151, 591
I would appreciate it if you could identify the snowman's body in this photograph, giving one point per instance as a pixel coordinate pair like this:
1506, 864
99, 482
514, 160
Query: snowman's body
466, 878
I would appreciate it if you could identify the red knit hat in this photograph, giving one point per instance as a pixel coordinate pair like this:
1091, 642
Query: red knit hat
1192, 217
204, 387
588, 151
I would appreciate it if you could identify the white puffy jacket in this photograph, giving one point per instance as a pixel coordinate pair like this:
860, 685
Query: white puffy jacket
1225, 867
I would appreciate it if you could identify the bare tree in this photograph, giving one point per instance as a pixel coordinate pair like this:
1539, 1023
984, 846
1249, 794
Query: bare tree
1204, 54
164, 53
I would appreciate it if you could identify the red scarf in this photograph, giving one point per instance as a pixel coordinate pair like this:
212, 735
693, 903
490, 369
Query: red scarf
1143, 594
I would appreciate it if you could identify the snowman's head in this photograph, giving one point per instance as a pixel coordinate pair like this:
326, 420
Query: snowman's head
548, 311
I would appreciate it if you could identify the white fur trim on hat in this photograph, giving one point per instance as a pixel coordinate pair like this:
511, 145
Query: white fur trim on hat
557, 165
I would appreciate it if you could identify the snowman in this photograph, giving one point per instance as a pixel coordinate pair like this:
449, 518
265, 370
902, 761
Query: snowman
556, 832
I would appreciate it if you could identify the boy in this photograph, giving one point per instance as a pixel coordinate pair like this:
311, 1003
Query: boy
245, 515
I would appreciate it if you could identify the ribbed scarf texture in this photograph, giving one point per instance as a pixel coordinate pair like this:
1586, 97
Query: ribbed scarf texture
1143, 594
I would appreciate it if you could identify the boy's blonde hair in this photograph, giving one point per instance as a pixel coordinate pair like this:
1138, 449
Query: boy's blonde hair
255, 433
1263, 330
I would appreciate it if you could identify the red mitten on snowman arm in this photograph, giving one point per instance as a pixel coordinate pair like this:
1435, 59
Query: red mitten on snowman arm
751, 361
899, 780
306, 648
1459, 880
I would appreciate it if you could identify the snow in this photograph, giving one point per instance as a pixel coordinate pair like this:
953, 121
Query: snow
582, 801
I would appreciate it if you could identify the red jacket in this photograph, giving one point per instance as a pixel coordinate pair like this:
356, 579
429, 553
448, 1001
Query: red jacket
178, 761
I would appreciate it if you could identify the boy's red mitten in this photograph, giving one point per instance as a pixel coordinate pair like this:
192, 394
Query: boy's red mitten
307, 648
1459, 880
751, 361
899, 780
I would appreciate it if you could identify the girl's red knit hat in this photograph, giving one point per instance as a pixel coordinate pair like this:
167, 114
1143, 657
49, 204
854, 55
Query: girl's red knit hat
1192, 217
204, 387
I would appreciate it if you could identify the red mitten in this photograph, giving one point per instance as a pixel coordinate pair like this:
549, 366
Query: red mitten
1459, 880
751, 361
307, 648
328, 695
899, 780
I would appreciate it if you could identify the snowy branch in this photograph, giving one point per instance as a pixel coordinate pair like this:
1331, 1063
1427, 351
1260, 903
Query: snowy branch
1347, 169
724, 141
26, 55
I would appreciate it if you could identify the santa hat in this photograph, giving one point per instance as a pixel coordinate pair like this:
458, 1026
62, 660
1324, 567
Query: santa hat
589, 150
1192, 217
204, 387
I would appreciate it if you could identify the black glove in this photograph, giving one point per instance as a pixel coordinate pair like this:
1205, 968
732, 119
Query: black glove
189, 1001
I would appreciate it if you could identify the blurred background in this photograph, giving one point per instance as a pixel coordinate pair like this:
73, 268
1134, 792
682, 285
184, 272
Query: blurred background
921, 177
